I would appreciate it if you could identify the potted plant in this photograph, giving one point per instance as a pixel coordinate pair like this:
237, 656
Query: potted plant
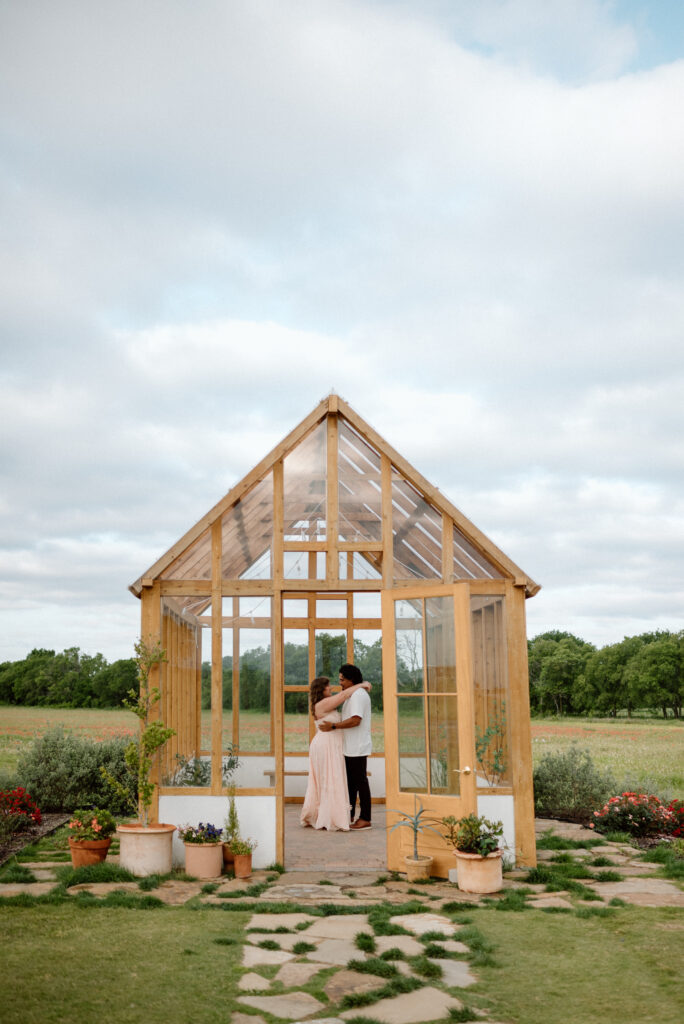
476, 847
418, 867
242, 856
90, 836
231, 829
145, 847
203, 854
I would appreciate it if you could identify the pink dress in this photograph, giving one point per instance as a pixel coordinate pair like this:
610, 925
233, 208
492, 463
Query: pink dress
326, 804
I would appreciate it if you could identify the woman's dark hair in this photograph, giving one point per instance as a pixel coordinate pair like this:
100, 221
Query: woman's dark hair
352, 673
316, 691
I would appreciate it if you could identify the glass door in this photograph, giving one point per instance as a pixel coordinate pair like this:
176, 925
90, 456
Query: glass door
428, 711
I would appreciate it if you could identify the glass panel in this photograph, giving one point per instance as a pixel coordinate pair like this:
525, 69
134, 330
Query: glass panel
443, 741
180, 707
367, 605
256, 608
296, 723
255, 689
304, 565
304, 487
229, 672
440, 643
417, 528
490, 680
411, 742
469, 563
296, 657
194, 563
331, 609
295, 609
409, 645
331, 652
247, 530
359, 487
368, 658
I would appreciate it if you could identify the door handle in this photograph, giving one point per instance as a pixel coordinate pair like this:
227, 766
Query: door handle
463, 771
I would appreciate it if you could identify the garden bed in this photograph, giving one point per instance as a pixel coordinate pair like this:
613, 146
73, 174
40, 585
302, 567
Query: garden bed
15, 844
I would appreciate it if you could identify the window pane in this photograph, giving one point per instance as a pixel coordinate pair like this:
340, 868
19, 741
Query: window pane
247, 532
304, 565
409, 645
304, 487
331, 652
417, 528
331, 609
368, 658
367, 605
359, 489
411, 740
441, 648
443, 740
255, 690
295, 609
490, 679
296, 657
296, 723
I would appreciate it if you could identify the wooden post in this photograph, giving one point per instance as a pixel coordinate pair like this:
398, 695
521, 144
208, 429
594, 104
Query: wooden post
216, 660
520, 732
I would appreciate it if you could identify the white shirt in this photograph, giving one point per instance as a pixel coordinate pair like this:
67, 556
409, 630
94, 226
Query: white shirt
357, 741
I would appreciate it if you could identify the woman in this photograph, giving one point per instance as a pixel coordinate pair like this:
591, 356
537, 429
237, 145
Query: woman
326, 804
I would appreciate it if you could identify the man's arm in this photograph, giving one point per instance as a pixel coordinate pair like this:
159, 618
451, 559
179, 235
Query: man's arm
348, 723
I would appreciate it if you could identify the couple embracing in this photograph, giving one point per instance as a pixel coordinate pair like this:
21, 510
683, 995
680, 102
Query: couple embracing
337, 755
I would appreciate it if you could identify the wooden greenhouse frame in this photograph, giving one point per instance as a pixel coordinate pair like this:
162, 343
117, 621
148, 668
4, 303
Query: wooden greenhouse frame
331, 514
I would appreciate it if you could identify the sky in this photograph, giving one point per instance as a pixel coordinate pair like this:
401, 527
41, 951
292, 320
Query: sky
466, 217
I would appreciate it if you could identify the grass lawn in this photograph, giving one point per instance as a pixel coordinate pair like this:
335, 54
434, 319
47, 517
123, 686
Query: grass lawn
179, 964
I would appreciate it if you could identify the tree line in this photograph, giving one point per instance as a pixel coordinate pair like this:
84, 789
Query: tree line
568, 675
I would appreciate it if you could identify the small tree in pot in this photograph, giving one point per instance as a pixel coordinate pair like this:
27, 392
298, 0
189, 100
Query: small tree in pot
141, 757
419, 866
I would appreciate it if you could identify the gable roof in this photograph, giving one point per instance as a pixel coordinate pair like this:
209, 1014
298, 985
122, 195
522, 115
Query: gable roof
414, 498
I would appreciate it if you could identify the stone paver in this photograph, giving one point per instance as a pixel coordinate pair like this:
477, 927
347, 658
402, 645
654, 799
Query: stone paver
455, 973
297, 973
424, 1004
336, 951
270, 921
339, 926
295, 1006
419, 924
343, 982
252, 956
406, 943
32, 888
453, 946
301, 893
175, 894
104, 888
253, 983
246, 1018
642, 892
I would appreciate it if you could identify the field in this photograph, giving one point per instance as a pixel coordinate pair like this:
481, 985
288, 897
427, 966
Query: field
645, 752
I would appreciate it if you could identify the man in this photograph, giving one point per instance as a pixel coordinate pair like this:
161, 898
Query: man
356, 722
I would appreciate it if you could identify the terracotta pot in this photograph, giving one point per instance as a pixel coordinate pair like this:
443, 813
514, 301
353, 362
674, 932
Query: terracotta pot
479, 874
416, 870
88, 851
203, 860
227, 856
146, 851
243, 865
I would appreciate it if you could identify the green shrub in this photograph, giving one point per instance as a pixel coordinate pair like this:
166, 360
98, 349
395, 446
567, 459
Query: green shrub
62, 772
570, 786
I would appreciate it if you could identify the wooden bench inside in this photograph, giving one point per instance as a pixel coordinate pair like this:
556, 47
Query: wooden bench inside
270, 773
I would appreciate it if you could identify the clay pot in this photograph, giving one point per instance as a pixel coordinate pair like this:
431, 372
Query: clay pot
88, 851
146, 851
243, 865
479, 874
227, 856
417, 870
203, 860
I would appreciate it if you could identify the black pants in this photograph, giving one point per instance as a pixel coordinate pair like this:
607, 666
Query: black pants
357, 782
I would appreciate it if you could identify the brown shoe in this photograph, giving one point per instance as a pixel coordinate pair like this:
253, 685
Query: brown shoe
360, 823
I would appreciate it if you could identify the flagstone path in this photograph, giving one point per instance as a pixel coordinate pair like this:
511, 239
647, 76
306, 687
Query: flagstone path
279, 966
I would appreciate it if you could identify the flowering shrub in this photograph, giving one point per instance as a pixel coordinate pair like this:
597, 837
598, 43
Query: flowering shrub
640, 814
200, 833
676, 809
18, 810
90, 825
